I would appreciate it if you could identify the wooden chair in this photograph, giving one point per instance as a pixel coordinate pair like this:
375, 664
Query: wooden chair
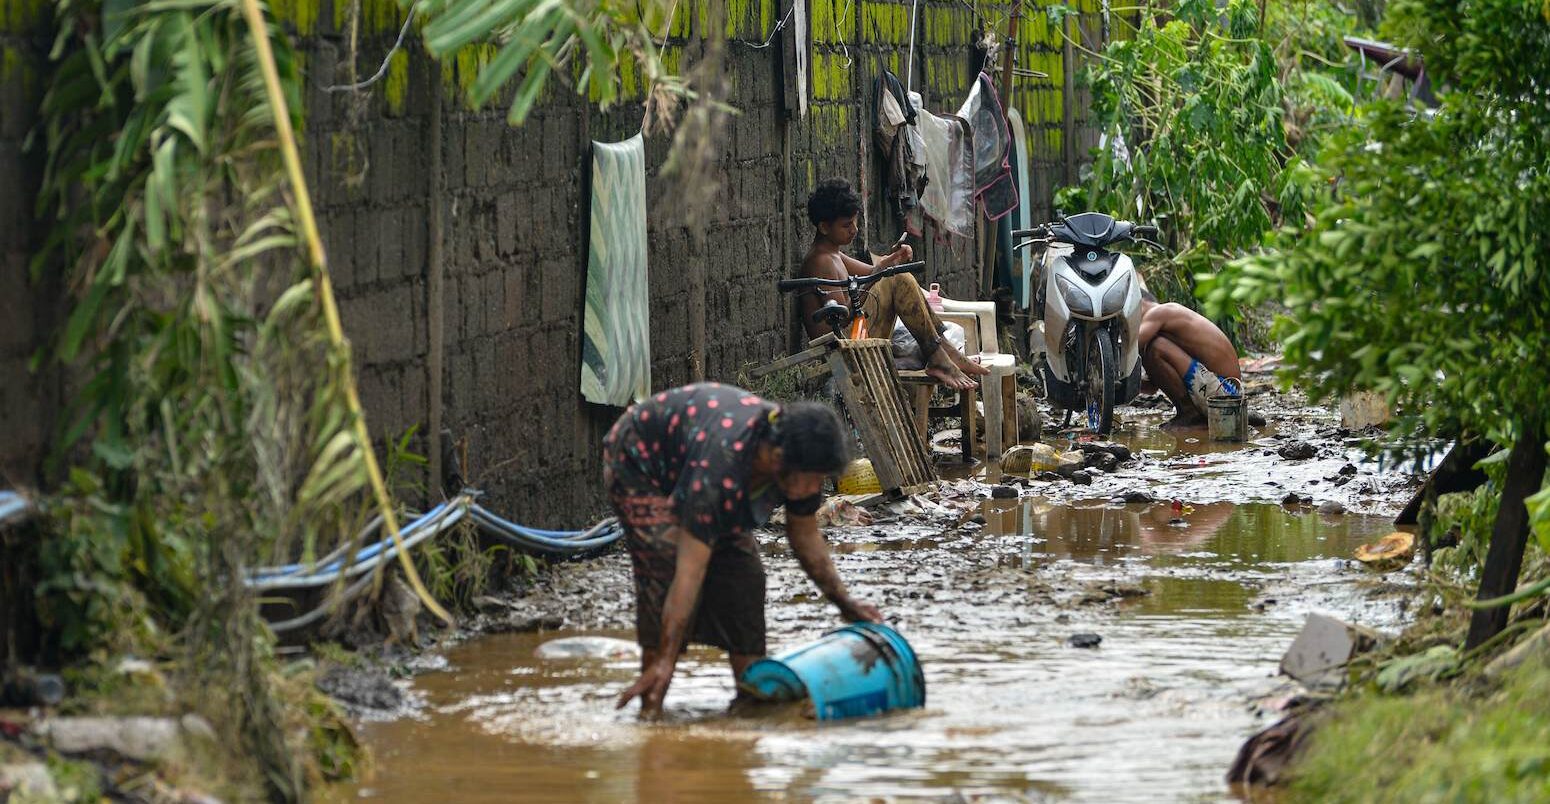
866, 382
998, 390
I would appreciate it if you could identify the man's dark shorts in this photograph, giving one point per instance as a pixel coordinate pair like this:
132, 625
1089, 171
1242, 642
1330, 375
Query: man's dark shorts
730, 614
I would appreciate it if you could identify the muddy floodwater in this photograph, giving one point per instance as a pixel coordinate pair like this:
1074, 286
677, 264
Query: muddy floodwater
1194, 602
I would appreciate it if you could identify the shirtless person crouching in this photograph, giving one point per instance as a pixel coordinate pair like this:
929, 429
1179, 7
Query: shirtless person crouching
1187, 357
833, 208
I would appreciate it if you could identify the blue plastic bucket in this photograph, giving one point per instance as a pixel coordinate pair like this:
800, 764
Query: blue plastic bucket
860, 669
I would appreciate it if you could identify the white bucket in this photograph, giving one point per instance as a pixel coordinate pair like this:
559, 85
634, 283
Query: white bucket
1227, 415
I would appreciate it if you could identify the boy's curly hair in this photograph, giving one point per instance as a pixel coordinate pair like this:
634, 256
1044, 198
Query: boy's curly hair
831, 201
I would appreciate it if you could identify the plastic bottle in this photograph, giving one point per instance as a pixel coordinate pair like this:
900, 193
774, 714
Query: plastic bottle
934, 297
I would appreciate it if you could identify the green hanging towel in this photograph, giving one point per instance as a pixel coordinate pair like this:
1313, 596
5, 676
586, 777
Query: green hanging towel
616, 339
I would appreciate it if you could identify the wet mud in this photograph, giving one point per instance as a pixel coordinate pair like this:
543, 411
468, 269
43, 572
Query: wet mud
1192, 599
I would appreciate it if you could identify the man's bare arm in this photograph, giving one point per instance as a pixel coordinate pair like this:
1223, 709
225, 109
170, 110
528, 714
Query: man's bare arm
813, 554
688, 575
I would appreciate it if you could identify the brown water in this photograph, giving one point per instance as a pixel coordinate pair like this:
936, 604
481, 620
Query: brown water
1155, 713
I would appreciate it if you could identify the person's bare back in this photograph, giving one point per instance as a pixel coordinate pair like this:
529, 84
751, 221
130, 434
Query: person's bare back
821, 264
1195, 334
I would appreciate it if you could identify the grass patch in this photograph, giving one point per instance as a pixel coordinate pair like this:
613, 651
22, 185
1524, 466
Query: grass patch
1473, 742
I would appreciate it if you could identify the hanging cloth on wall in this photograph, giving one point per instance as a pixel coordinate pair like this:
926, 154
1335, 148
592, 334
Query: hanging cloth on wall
899, 140
949, 151
616, 336
993, 182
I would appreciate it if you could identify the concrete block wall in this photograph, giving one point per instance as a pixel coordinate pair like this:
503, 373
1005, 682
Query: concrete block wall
513, 206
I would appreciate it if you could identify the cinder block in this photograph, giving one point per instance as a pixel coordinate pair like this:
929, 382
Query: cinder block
560, 286
492, 292
416, 233
506, 223
513, 289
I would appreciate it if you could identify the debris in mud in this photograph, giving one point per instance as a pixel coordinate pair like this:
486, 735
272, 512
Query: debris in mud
1265, 757
1298, 451
1084, 640
1388, 553
1028, 458
368, 688
1292, 500
1003, 493
840, 511
1318, 656
1138, 497
1331, 508
1030, 420
1256, 419
1102, 461
1082, 477
1120, 452
588, 647
1104, 591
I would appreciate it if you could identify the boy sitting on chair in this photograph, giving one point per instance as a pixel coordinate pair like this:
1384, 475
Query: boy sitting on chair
833, 208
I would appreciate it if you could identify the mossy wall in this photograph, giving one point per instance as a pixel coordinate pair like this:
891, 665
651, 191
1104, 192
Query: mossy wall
514, 204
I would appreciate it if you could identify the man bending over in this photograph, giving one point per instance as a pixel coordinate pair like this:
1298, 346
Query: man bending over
691, 472
1186, 356
833, 208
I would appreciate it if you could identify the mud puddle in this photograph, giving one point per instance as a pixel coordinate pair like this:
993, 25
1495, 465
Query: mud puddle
1194, 603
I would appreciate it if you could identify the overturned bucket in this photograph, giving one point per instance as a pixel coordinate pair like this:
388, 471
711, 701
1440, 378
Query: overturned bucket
1227, 414
860, 669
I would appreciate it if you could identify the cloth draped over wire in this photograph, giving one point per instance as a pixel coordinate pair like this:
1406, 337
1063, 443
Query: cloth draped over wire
994, 186
616, 336
900, 142
948, 145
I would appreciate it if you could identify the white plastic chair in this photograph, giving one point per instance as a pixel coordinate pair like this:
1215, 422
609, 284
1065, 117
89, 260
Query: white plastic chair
998, 389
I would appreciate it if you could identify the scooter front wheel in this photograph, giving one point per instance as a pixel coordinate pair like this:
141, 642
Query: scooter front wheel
1100, 383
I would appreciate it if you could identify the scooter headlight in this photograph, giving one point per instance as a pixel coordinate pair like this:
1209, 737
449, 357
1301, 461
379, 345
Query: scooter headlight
1114, 298
1076, 297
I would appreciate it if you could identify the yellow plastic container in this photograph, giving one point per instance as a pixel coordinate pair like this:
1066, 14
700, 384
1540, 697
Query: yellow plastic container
858, 478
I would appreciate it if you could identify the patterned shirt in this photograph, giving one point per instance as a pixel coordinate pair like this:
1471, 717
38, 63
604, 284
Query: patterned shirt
696, 445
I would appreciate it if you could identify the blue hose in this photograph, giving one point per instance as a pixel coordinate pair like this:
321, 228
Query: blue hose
600, 535
571, 543
363, 554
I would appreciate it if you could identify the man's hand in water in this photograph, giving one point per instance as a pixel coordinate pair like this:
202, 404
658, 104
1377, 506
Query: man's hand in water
651, 687
858, 611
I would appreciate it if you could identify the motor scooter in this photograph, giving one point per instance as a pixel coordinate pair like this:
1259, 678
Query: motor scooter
1088, 304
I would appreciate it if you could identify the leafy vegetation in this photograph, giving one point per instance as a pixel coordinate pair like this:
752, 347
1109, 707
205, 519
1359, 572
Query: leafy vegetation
537, 38
1426, 276
1211, 118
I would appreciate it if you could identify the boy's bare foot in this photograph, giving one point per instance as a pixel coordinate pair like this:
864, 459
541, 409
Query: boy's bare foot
951, 377
961, 361
964, 363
